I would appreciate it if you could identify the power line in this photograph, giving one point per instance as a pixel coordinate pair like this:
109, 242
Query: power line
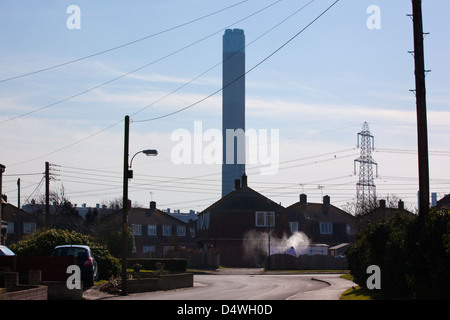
122, 45
153, 103
244, 74
132, 71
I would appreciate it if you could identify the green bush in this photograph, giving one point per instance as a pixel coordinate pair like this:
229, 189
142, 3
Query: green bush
43, 243
413, 255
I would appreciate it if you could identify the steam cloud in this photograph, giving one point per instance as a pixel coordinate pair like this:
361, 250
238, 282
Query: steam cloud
256, 245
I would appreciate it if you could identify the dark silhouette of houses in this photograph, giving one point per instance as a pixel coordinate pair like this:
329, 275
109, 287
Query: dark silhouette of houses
230, 224
381, 213
323, 223
156, 232
18, 223
444, 202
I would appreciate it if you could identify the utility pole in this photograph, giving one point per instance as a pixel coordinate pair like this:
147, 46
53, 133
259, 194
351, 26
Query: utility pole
125, 205
421, 107
47, 194
18, 193
2, 230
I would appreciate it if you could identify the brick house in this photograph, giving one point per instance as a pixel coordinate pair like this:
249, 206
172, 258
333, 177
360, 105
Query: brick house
382, 212
156, 232
323, 223
19, 223
444, 202
225, 225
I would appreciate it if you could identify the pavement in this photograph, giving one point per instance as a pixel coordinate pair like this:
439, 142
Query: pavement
336, 287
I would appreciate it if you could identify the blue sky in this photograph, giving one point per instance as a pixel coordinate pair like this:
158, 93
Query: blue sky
318, 90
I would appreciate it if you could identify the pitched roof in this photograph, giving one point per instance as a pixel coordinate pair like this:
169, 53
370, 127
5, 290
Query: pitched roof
444, 202
151, 216
244, 198
324, 212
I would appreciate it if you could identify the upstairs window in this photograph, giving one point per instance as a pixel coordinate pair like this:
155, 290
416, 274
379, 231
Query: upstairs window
326, 228
167, 230
181, 231
137, 229
151, 230
265, 219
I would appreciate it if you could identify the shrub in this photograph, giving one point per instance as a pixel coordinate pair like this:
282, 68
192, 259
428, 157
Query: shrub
413, 255
42, 244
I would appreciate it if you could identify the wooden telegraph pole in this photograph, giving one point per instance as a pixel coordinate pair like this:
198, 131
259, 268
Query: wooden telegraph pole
422, 139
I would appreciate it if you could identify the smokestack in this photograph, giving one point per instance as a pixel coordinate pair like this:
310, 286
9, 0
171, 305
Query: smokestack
233, 108
382, 203
433, 199
152, 205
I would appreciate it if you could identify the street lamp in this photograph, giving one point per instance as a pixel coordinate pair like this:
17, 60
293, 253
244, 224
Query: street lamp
127, 174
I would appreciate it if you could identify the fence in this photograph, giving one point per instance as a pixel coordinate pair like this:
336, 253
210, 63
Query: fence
306, 262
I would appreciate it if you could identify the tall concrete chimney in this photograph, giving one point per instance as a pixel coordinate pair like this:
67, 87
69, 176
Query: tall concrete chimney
233, 108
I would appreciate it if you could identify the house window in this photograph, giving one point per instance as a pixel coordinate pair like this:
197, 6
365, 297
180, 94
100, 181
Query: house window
151, 230
29, 227
293, 226
326, 228
137, 229
10, 228
148, 249
166, 249
181, 231
265, 219
167, 230
192, 232
203, 221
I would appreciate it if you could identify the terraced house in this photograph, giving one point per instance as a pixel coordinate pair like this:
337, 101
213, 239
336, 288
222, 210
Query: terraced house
156, 232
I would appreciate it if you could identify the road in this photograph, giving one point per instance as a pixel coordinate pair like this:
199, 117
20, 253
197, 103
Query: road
242, 284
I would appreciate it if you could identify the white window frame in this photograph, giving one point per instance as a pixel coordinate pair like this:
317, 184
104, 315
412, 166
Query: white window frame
167, 230
29, 227
265, 219
326, 227
151, 230
181, 231
137, 229
10, 228
293, 226
148, 249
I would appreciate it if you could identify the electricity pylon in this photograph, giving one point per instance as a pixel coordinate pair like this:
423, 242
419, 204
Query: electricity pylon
365, 188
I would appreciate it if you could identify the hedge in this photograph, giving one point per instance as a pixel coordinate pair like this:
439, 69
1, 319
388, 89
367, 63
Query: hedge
172, 265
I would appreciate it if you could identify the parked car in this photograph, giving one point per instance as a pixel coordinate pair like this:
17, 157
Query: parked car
86, 261
5, 251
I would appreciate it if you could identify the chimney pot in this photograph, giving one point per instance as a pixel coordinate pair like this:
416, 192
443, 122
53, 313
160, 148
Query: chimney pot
303, 199
152, 205
401, 205
244, 180
382, 203
326, 204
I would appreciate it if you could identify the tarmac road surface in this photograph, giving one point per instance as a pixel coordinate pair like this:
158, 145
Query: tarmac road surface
249, 284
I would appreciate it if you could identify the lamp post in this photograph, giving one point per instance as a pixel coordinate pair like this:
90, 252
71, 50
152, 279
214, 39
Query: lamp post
127, 174
2, 230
